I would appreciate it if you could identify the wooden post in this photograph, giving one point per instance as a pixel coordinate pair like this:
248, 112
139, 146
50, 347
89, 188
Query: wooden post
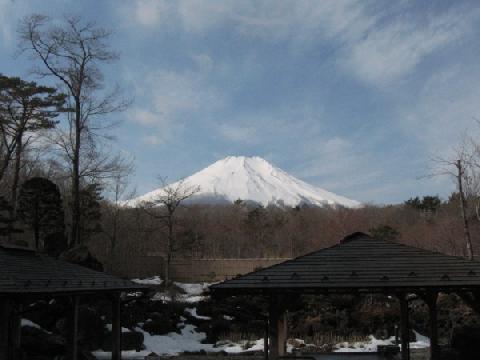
15, 330
282, 333
5, 309
74, 328
265, 339
277, 329
405, 330
116, 328
431, 300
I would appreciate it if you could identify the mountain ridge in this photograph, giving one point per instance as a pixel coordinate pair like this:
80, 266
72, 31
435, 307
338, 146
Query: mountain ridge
252, 179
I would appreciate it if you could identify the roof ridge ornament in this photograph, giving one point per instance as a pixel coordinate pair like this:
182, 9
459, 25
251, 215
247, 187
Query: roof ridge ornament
354, 236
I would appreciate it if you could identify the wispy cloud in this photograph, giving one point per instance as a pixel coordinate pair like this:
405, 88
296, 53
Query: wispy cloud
7, 22
150, 12
389, 52
445, 108
172, 99
370, 48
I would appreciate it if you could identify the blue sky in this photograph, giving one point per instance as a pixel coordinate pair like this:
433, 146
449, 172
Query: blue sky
352, 96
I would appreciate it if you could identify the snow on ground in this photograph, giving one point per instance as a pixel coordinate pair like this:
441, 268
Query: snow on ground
372, 344
361, 346
130, 354
193, 289
193, 312
192, 293
173, 343
109, 328
26, 322
155, 280
421, 341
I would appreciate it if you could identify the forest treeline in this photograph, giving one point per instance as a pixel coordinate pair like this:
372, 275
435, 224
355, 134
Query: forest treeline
245, 231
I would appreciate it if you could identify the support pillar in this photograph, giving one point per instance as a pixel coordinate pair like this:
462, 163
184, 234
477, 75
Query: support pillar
404, 327
431, 300
5, 309
116, 328
277, 329
14, 328
74, 328
265, 339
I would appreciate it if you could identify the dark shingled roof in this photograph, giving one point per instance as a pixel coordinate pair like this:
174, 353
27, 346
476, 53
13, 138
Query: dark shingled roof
23, 271
361, 263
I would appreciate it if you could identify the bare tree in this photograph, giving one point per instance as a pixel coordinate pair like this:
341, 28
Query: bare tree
118, 188
459, 169
71, 53
164, 209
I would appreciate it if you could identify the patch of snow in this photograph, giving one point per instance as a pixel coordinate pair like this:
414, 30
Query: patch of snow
368, 346
155, 280
242, 346
193, 289
129, 354
193, 312
193, 293
372, 344
173, 343
26, 322
124, 330
191, 299
229, 318
420, 342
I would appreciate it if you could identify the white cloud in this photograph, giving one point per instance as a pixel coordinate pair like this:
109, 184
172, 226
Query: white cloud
160, 129
245, 134
150, 12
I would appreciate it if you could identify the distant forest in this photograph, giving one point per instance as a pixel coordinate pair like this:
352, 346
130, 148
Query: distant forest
242, 231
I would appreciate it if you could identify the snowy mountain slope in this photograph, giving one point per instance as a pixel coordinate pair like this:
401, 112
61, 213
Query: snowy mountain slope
255, 180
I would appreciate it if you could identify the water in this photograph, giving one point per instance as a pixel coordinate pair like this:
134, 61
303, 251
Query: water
349, 356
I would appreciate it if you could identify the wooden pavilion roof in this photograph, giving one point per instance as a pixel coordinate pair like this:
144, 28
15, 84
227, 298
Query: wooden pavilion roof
24, 271
361, 263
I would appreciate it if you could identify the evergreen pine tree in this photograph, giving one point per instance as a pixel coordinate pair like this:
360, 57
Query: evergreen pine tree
6, 221
40, 208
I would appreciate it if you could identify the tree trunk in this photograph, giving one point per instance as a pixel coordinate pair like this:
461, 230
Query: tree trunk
463, 209
16, 173
75, 234
36, 234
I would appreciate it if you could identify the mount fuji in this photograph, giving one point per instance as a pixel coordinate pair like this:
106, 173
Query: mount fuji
251, 179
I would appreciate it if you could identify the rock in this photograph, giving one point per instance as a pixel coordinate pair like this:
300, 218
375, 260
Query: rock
91, 328
465, 340
38, 342
132, 340
449, 354
161, 323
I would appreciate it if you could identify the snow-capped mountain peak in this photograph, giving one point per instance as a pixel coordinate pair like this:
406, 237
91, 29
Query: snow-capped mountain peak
255, 180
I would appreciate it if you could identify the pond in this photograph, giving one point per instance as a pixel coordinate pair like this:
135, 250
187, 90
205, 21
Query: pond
350, 356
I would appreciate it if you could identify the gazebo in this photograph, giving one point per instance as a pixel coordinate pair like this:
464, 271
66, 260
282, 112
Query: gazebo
359, 264
26, 276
